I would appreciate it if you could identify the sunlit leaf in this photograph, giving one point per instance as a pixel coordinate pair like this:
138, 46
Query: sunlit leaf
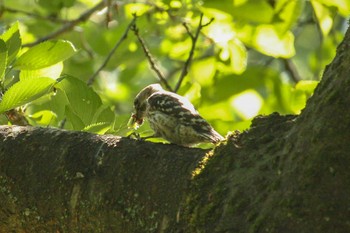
53, 72
247, 104
180, 50
45, 54
99, 128
299, 95
221, 32
256, 11
343, 6
238, 56
3, 58
24, 92
268, 41
44, 117
203, 71
324, 17
135, 8
222, 5
288, 13
307, 86
83, 101
13, 41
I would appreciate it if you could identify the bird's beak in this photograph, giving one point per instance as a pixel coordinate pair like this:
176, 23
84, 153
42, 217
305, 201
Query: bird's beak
135, 121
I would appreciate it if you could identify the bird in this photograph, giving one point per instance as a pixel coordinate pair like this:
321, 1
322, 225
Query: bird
172, 117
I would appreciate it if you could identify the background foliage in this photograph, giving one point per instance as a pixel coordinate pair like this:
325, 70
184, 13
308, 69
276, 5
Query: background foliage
255, 57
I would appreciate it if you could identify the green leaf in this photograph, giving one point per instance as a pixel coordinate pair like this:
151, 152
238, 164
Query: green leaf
287, 15
3, 58
324, 17
343, 6
238, 56
203, 71
103, 114
222, 5
99, 128
83, 101
57, 5
307, 86
53, 72
257, 11
75, 120
299, 95
13, 42
25, 91
269, 42
45, 54
44, 117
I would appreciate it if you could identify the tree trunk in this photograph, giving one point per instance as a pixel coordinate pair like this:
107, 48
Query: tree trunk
285, 174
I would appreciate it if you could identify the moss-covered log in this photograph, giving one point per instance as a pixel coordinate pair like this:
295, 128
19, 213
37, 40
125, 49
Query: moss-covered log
60, 181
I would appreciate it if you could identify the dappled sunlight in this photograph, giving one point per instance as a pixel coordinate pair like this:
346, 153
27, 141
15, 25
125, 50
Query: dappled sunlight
221, 33
268, 41
112, 88
247, 104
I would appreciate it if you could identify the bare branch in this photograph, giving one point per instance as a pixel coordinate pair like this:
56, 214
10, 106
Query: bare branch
69, 25
122, 38
188, 30
291, 69
33, 15
194, 39
150, 59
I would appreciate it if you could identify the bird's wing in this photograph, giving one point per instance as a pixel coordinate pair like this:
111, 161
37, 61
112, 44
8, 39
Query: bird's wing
180, 108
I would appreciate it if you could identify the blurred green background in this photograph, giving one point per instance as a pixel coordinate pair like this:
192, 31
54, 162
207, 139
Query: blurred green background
256, 57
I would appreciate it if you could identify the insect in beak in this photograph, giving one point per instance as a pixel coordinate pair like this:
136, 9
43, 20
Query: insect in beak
134, 122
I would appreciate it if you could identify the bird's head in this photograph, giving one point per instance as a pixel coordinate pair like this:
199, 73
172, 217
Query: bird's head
140, 105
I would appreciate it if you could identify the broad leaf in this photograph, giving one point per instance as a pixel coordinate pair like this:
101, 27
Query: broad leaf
287, 14
83, 101
257, 11
25, 91
3, 58
53, 72
74, 119
44, 117
238, 56
13, 42
99, 128
324, 17
45, 54
269, 42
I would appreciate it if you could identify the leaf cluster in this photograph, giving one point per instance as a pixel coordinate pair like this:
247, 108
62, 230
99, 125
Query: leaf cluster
255, 57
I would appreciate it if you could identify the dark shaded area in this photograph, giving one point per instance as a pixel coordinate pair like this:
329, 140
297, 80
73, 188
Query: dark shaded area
60, 181
287, 173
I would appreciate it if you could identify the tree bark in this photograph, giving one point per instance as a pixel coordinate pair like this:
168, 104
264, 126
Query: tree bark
285, 174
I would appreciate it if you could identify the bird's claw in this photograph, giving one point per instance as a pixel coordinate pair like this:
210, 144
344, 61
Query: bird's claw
134, 135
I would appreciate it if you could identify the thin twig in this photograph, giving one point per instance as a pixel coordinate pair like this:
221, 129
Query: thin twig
150, 59
122, 38
69, 25
30, 14
194, 39
291, 69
